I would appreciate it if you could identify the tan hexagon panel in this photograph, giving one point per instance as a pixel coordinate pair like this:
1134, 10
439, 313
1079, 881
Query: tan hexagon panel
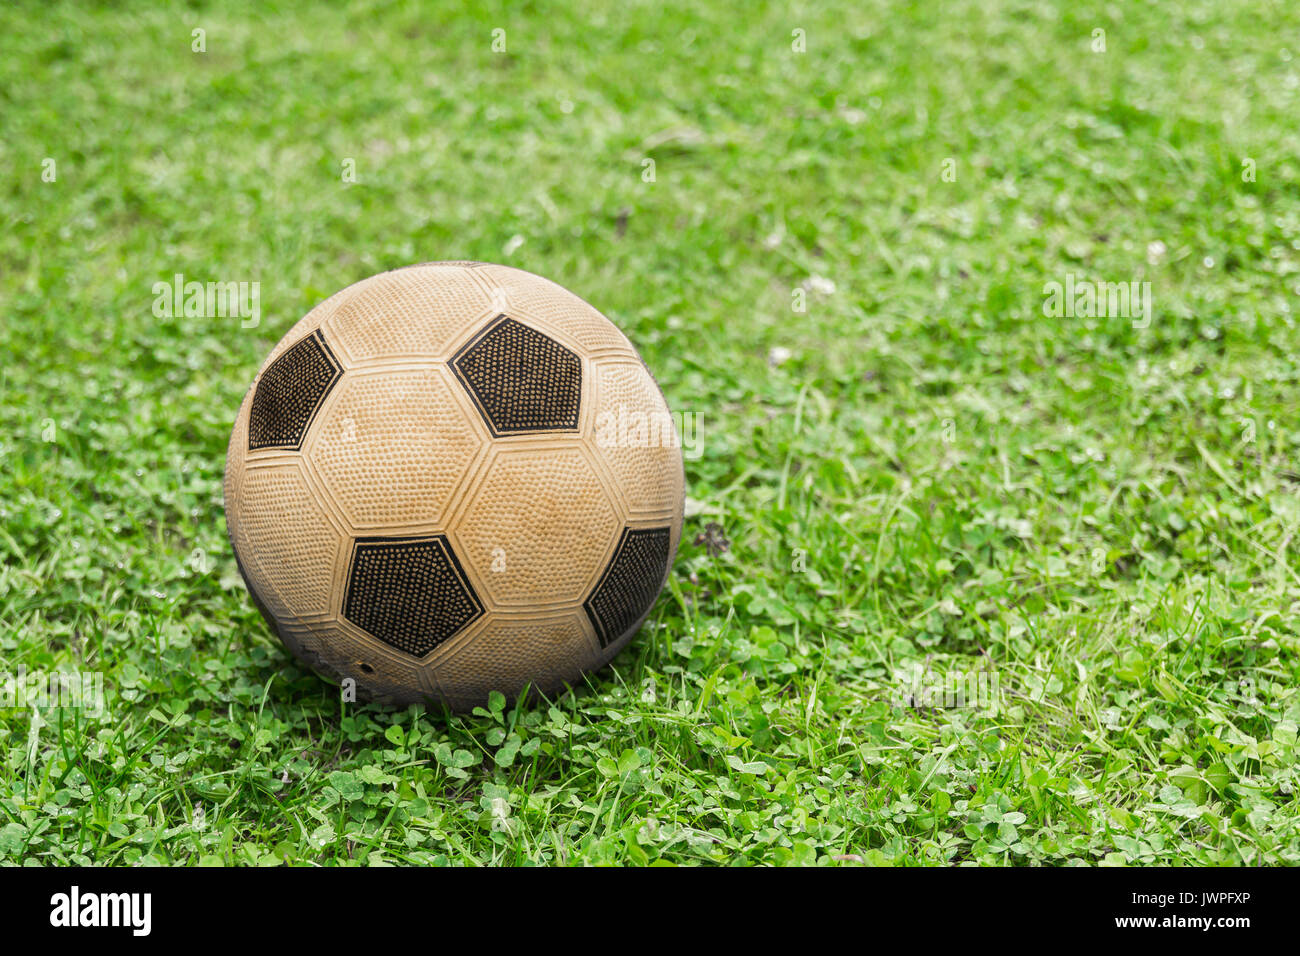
537, 527
636, 437
416, 312
544, 651
236, 453
393, 446
292, 572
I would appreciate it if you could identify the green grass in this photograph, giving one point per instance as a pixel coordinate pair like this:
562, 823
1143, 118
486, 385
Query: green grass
1103, 517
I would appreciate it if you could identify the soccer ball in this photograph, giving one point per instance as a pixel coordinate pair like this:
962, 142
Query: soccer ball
454, 478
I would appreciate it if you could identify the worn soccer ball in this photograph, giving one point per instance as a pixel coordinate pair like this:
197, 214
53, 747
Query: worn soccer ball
454, 478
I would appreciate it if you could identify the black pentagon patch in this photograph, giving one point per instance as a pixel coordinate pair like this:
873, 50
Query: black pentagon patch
520, 379
290, 392
411, 593
630, 584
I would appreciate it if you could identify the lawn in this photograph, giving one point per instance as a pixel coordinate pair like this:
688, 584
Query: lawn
916, 474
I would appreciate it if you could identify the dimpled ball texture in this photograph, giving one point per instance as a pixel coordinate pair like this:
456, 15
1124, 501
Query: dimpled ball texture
452, 479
